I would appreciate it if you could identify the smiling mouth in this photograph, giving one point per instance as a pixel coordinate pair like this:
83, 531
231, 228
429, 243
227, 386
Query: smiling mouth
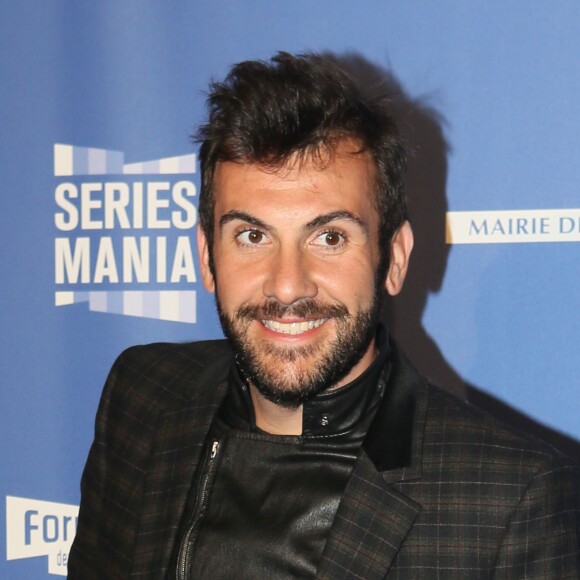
293, 328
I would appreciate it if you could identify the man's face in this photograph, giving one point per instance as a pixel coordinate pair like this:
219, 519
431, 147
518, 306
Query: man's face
295, 256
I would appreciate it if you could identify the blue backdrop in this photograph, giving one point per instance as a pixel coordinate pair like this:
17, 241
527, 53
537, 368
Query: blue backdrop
99, 186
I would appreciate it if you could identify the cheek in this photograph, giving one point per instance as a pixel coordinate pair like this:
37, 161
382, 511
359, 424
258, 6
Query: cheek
351, 282
236, 285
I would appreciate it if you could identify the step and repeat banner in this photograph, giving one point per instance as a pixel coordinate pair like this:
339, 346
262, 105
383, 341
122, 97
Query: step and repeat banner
99, 207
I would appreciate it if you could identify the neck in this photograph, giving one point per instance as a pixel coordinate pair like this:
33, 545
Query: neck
273, 418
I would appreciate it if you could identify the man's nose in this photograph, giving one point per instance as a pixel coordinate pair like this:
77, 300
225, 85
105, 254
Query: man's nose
289, 277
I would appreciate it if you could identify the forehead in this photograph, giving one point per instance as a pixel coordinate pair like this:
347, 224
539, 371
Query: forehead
342, 179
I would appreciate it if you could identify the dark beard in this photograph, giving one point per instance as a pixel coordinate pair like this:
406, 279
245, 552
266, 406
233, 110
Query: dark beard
354, 334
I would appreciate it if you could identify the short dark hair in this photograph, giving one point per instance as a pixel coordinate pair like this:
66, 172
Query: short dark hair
266, 112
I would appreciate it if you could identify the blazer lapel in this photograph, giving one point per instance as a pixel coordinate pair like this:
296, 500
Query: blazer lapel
372, 521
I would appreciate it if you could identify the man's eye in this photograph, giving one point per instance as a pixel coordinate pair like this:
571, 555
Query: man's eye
329, 239
251, 237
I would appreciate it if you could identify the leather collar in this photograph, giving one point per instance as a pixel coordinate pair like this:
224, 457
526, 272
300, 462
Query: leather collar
394, 439
334, 416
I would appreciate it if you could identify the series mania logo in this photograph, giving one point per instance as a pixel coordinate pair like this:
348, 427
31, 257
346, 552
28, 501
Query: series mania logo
124, 233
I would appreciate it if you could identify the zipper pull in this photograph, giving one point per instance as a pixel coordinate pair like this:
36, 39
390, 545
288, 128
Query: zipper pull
214, 449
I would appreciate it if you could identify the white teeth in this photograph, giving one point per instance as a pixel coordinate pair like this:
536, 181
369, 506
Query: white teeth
293, 327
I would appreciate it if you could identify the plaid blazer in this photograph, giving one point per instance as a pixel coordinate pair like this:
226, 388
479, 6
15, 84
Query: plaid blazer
440, 491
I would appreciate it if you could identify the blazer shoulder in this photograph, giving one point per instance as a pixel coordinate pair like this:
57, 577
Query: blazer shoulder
160, 374
472, 432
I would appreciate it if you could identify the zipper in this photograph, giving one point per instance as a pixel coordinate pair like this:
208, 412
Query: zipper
198, 510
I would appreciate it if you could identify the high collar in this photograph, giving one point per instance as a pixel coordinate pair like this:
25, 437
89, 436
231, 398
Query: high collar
333, 415
395, 437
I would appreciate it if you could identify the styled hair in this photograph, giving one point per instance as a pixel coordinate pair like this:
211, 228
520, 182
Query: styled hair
300, 106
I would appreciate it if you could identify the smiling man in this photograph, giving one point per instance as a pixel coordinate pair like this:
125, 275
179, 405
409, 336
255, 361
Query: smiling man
305, 444
294, 262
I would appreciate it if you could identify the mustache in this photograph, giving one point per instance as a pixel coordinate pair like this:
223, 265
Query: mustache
312, 309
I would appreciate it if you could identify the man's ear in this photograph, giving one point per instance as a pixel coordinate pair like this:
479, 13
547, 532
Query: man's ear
204, 260
401, 247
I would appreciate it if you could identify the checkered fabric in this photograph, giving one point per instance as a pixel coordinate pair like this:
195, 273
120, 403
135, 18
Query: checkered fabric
470, 500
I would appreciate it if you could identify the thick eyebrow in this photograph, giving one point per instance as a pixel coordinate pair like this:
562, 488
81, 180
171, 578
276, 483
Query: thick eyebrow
326, 218
242, 216
317, 222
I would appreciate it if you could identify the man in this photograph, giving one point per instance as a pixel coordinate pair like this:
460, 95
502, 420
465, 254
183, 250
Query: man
306, 445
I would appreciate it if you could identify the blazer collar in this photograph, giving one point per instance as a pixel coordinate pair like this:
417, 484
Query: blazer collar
372, 521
